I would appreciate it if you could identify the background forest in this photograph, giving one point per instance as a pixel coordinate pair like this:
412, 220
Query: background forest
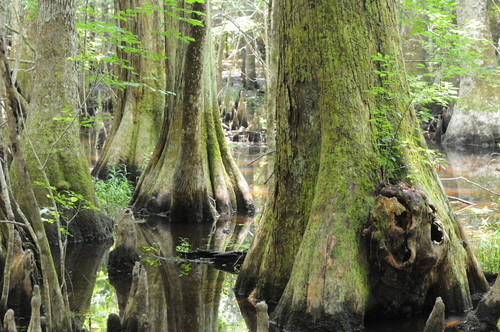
157, 155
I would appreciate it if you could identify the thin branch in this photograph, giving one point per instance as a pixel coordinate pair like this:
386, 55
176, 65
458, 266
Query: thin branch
13, 223
269, 178
471, 182
260, 157
23, 36
453, 198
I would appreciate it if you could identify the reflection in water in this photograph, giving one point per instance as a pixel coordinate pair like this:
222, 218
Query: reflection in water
82, 264
479, 166
185, 296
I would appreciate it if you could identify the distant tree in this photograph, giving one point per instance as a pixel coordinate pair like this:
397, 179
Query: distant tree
337, 241
192, 173
476, 115
140, 102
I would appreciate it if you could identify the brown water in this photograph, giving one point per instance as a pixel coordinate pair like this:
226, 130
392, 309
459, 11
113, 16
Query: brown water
191, 296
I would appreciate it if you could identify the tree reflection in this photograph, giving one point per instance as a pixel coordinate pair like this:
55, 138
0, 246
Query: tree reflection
184, 295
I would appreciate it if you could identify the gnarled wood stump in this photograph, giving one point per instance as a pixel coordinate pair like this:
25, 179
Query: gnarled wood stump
406, 242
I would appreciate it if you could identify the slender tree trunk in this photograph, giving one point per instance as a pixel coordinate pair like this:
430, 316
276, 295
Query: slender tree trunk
309, 253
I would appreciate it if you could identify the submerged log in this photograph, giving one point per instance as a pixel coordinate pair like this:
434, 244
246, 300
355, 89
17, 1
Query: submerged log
435, 322
228, 261
36, 302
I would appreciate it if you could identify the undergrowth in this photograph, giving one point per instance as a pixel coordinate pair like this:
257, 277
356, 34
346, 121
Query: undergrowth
486, 238
115, 192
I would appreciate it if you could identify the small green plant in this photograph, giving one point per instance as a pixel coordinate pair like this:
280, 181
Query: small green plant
153, 257
66, 201
488, 251
115, 192
184, 265
184, 245
485, 237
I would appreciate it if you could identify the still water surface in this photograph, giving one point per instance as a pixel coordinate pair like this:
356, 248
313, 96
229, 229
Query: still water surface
190, 296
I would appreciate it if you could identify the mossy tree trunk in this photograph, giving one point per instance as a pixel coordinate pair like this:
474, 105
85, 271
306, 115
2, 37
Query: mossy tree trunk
476, 115
333, 156
191, 167
139, 109
53, 150
58, 315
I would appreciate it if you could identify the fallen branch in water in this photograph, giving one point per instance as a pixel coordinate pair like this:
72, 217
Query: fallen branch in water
261, 156
460, 200
471, 182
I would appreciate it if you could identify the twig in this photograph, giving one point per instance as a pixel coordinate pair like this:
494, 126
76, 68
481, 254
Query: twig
22, 36
269, 178
471, 182
261, 156
460, 200
13, 223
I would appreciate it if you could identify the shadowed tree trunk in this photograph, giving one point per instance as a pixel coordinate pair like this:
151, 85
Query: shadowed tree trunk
137, 116
334, 157
476, 114
58, 316
191, 167
53, 150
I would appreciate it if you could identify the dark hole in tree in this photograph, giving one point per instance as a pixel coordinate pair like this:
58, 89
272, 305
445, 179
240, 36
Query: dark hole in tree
406, 256
436, 233
403, 219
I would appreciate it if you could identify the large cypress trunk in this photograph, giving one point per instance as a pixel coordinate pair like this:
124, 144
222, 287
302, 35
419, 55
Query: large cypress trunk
53, 149
334, 161
192, 173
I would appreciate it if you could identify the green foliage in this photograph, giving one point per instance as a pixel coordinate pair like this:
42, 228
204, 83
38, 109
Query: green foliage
485, 238
67, 201
115, 192
152, 256
185, 266
449, 52
386, 119
184, 245
488, 252
102, 40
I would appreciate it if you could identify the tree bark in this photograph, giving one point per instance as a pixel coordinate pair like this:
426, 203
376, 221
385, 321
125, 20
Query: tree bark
54, 153
57, 313
138, 111
191, 166
309, 254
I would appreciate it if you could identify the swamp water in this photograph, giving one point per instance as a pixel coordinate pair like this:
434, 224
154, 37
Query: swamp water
192, 296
